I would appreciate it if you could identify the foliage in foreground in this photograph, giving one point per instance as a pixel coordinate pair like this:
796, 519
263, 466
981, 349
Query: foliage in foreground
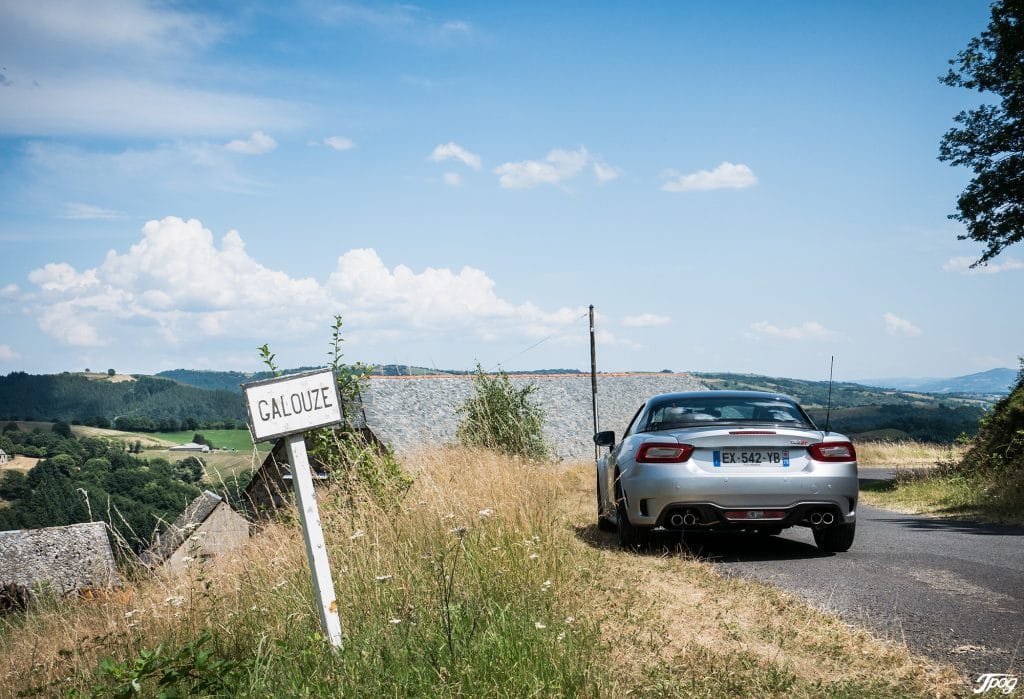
501, 417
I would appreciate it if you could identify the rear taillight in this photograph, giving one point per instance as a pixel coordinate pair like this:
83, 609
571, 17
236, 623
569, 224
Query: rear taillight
663, 453
832, 451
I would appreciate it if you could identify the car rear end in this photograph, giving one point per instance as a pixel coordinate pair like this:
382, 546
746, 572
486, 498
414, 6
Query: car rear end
742, 478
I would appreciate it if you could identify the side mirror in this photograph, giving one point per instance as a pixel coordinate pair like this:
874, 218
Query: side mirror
604, 439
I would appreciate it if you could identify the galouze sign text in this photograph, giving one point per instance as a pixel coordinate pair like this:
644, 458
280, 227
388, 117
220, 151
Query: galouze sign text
292, 404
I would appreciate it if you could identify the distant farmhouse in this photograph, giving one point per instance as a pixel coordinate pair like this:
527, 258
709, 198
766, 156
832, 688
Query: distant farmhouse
207, 528
3, 457
191, 446
64, 559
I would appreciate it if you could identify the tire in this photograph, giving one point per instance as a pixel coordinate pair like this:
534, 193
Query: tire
603, 523
835, 539
630, 536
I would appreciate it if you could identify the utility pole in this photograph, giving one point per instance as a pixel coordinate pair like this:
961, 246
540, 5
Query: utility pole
593, 376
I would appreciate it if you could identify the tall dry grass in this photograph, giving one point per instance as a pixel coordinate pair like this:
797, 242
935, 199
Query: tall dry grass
907, 453
469, 586
489, 578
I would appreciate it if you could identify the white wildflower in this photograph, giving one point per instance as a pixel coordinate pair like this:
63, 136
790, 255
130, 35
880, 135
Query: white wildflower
458, 531
175, 601
561, 636
382, 578
545, 586
533, 556
486, 512
539, 625
358, 535
394, 620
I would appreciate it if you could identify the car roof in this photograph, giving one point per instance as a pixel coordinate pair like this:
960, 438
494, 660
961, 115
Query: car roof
763, 395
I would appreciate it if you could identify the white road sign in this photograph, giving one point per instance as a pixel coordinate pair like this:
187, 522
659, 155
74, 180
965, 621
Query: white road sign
290, 404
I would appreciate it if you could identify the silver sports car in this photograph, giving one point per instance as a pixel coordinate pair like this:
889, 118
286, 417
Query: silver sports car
727, 460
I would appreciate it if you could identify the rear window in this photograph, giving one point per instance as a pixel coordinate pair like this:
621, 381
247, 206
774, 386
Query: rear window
707, 410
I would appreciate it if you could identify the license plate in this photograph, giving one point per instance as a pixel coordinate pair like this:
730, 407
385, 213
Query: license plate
750, 457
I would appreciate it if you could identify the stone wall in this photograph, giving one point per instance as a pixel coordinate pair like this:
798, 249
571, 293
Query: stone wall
414, 412
66, 559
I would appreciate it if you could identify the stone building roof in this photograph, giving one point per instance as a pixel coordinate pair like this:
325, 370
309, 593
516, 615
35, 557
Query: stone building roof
66, 559
187, 522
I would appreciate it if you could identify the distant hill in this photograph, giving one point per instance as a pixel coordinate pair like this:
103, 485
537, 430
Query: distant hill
870, 412
232, 380
991, 382
77, 397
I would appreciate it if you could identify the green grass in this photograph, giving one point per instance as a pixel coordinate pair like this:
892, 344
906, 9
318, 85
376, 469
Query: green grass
995, 498
219, 439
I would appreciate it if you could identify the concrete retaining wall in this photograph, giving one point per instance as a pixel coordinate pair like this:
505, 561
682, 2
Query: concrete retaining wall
413, 412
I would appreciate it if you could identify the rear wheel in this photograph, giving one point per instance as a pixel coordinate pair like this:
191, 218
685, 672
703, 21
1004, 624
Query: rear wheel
630, 536
835, 539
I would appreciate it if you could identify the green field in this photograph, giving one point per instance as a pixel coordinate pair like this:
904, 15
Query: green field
217, 439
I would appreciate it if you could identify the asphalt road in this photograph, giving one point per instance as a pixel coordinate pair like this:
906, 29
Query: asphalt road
952, 590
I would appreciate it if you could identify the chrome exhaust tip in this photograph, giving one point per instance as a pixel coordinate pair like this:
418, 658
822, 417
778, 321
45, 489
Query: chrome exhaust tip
676, 520
816, 518
828, 518
689, 519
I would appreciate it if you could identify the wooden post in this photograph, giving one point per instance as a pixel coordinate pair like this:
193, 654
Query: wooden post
312, 532
593, 376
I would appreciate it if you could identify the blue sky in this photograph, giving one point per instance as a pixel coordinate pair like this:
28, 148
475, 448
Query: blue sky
735, 186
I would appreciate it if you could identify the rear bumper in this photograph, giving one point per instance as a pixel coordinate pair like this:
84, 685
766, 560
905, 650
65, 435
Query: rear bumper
654, 495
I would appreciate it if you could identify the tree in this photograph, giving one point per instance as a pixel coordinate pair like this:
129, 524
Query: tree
990, 138
110, 372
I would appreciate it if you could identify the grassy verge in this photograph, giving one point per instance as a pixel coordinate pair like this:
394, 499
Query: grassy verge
489, 579
927, 483
989, 497
906, 453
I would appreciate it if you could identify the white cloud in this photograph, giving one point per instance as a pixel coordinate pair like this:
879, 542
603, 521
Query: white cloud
605, 172
257, 144
963, 266
339, 143
7, 354
179, 285
725, 176
103, 25
645, 320
404, 22
84, 105
809, 330
121, 68
453, 151
894, 325
182, 166
90, 212
557, 166
452, 179
10, 291
61, 276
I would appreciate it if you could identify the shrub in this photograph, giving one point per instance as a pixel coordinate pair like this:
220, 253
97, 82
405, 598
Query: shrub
501, 417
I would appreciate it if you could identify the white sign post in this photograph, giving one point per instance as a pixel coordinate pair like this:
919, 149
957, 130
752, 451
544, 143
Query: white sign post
287, 406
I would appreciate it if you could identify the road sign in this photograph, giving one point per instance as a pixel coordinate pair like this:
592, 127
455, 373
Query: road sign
294, 403
287, 406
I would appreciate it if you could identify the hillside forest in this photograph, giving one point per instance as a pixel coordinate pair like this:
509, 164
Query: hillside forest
92, 479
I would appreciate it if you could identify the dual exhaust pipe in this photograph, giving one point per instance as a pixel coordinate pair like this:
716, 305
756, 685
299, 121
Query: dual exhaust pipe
822, 519
687, 519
